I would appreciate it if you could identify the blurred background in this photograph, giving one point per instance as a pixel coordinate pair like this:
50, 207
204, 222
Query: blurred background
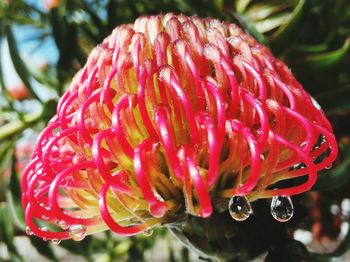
44, 42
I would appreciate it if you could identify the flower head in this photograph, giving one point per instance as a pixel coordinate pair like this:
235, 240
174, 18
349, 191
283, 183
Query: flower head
172, 115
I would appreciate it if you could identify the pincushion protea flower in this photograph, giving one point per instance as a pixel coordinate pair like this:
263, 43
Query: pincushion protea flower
172, 115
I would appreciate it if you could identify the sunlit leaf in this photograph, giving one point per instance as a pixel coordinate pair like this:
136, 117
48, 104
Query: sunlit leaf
327, 59
339, 175
241, 5
249, 27
43, 248
7, 233
17, 61
13, 198
287, 32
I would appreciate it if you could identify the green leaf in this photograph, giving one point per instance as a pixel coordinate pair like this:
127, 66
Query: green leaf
13, 198
248, 25
7, 233
43, 248
262, 11
339, 176
335, 100
81, 248
103, 258
16, 126
122, 248
241, 5
281, 39
17, 61
271, 23
185, 254
309, 49
326, 60
6, 149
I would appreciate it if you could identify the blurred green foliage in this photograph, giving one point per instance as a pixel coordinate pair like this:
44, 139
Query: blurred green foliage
311, 36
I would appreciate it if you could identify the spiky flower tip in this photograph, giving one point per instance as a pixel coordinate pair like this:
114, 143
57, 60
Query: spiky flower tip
173, 115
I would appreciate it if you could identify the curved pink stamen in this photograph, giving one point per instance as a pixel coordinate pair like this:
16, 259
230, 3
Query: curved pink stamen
142, 175
200, 186
166, 136
115, 227
126, 101
255, 154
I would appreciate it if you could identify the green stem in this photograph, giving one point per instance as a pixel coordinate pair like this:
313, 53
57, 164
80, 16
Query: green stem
18, 125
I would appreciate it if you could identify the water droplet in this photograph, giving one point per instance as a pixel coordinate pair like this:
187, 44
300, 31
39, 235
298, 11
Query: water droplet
239, 208
282, 208
28, 231
56, 241
63, 225
45, 217
329, 166
303, 144
77, 232
148, 232
45, 239
44, 229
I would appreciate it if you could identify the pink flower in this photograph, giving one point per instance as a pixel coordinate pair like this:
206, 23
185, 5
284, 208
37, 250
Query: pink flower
172, 115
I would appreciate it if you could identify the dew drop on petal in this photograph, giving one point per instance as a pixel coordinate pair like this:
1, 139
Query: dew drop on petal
56, 241
329, 166
62, 224
239, 208
28, 231
303, 144
282, 208
148, 232
77, 232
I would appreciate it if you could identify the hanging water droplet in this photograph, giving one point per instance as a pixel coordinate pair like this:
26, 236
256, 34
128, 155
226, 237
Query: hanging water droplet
28, 231
45, 239
77, 232
56, 241
239, 208
329, 166
62, 224
148, 232
282, 208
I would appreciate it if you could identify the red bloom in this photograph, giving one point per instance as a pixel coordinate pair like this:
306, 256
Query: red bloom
172, 114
